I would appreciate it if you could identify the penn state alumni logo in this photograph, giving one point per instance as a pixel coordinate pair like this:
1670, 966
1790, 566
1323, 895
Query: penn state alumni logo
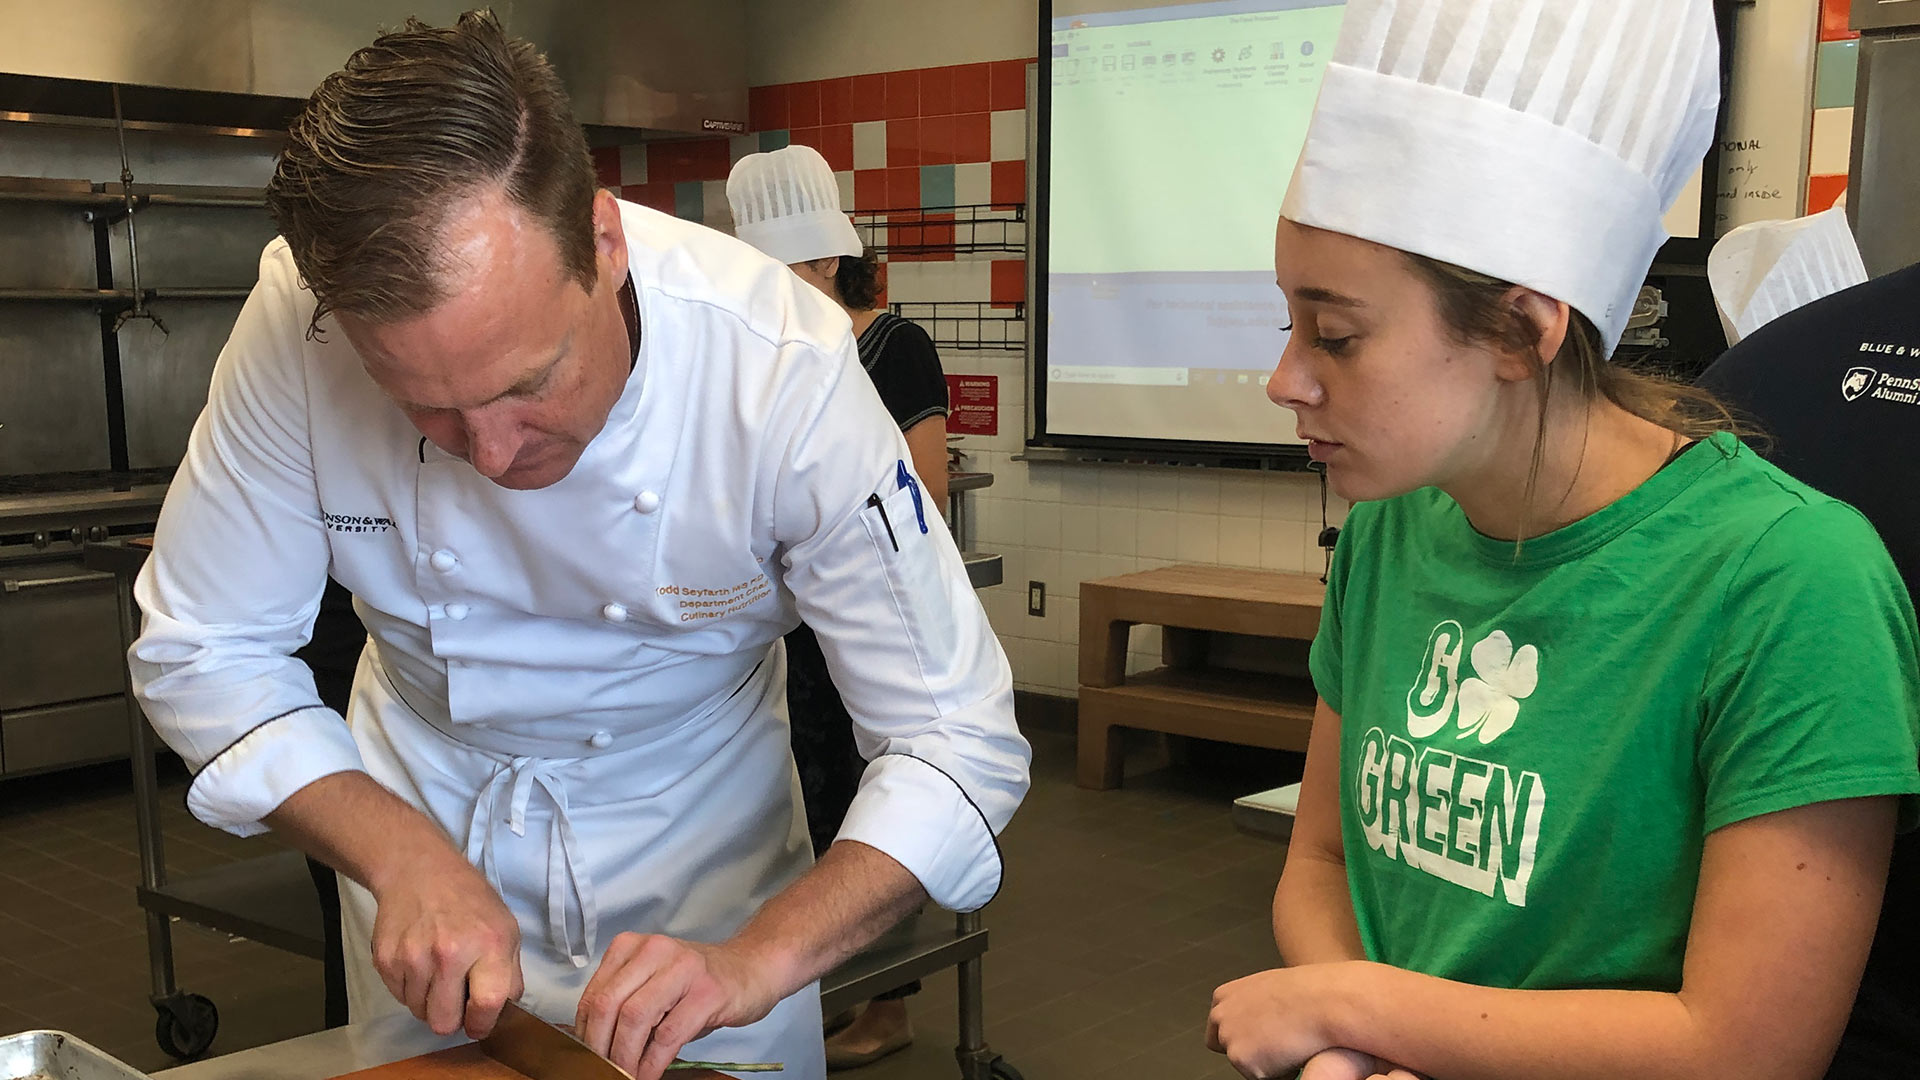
1857, 382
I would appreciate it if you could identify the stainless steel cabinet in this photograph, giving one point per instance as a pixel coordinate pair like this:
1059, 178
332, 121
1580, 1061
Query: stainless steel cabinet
61, 736
59, 634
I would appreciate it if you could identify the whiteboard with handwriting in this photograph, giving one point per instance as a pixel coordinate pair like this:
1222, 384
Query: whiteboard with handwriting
1764, 151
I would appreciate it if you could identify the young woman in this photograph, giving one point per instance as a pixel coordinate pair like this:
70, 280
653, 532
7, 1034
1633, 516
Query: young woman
787, 203
1616, 719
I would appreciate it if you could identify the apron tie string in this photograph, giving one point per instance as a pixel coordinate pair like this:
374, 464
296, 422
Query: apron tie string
566, 872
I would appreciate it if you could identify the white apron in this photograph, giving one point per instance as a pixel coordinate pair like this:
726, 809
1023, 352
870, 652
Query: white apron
585, 848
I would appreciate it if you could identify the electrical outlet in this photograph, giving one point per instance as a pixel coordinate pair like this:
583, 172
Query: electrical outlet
1037, 598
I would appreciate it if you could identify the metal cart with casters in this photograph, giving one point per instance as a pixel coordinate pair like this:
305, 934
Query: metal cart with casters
918, 947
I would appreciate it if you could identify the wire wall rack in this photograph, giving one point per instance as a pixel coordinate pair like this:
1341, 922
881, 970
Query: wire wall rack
966, 325
974, 229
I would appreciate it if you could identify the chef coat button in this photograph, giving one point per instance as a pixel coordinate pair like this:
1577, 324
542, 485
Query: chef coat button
614, 612
600, 740
444, 561
646, 502
456, 612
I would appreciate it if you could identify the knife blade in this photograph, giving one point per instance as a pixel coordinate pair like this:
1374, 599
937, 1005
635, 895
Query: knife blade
539, 1050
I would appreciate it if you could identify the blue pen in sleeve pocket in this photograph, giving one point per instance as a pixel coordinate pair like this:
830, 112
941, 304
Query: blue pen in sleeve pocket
905, 479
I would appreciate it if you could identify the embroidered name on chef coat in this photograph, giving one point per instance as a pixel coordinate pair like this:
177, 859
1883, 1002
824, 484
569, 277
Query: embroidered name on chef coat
356, 523
701, 603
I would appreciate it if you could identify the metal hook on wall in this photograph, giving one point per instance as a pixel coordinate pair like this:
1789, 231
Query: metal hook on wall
1329, 534
139, 309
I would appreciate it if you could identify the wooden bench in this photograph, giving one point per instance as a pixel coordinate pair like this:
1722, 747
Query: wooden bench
1186, 696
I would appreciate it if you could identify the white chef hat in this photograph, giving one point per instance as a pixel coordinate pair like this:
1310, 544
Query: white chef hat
1761, 271
786, 202
1538, 141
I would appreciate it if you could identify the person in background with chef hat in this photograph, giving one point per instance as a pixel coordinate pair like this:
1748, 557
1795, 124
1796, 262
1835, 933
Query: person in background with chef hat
581, 465
786, 203
1813, 340
1764, 269
1616, 718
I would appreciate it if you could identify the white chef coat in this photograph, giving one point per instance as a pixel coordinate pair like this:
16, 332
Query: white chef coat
584, 684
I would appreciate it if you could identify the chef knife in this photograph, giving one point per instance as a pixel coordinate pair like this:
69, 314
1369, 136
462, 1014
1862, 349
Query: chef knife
539, 1050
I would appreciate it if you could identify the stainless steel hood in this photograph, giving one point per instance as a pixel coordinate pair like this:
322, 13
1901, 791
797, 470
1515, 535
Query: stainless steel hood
659, 65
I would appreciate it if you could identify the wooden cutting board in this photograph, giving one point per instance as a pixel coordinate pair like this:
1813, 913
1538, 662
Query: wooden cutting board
469, 1063
460, 1063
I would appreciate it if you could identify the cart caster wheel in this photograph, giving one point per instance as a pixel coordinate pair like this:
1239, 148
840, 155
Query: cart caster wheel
185, 1026
1000, 1070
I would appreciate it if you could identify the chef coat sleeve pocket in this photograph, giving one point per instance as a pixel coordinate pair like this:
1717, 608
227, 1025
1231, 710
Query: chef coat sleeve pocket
915, 580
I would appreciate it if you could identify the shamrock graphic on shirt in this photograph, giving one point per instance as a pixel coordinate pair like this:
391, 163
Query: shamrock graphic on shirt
1490, 701
1483, 703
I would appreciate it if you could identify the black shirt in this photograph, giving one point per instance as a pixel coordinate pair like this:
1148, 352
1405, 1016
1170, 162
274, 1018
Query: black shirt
905, 368
1836, 384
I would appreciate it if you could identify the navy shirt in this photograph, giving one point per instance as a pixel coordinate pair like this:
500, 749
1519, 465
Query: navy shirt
1836, 385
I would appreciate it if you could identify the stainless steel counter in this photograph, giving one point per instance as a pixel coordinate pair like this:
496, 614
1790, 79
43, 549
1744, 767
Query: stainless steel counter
983, 570
968, 481
925, 943
143, 497
323, 1054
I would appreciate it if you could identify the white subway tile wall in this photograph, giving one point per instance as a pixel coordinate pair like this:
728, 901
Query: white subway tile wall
845, 182
717, 211
1007, 135
1080, 522
1064, 524
633, 163
972, 182
870, 145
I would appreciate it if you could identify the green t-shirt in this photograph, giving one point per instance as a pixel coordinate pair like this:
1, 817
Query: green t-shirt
1533, 750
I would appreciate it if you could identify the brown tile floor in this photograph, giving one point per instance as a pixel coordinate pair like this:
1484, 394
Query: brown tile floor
1121, 911
73, 946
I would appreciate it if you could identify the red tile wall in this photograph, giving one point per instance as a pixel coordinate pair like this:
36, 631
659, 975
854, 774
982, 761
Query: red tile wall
606, 166
1834, 16
903, 187
1824, 191
687, 159
972, 136
1009, 86
657, 195
934, 116
1009, 183
869, 100
970, 86
836, 101
803, 105
870, 187
1009, 282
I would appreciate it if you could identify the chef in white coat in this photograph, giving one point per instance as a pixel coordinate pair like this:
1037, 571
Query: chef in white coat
581, 464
